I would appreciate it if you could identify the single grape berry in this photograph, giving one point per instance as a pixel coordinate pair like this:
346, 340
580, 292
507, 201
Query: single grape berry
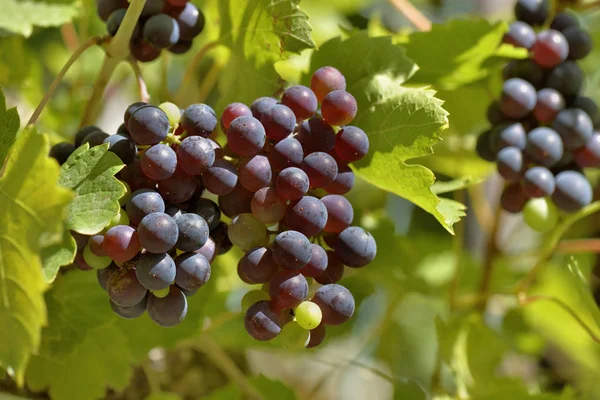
124, 147
195, 155
279, 122
255, 172
159, 162
246, 232
524, 69
199, 120
549, 103
550, 48
193, 232
318, 262
208, 210
193, 271
320, 168
155, 271
286, 153
334, 271
288, 289
563, 20
231, 112
573, 191
169, 310
567, 78
267, 207
538, 182
258, 265
292, 183
484, 148
307, 216
336, 304
236, 202
148, 125
246, 136
533, 12
343, 182
518, 98
540, 214
545, 146
143, 51
580, 43
339, 108
179, 188
158, 232
124, 289
351, 144
161, 31
317, 336
325, 80
589, 155
511, 134
316, 135
301, 100
574, 126
262, 321
513, 198
261, 105
292, 250
142, 203
190, 21
308, 315
121, 243
221, 178
355, 247
95, 138
510, 163
130, 312
61, 152
520, 34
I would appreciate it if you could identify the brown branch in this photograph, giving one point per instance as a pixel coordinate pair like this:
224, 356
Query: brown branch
143, 89
579, 246
416, 17
70, 37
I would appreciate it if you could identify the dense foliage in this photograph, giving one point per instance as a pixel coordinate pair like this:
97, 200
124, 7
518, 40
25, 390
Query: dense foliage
226, 168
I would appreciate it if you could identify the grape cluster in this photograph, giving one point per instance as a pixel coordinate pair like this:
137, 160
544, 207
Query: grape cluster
163, 24
279, 183
543, 133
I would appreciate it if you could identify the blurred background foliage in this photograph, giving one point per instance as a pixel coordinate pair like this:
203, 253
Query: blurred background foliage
408, 338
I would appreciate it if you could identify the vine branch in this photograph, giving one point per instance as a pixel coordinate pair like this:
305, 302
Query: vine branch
579, 246
61, 74
488, 263
416, 17
143, 89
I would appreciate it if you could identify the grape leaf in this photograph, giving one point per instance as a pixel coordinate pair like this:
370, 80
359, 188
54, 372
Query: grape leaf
9, 126
57, 255
20, 17
90, 173
163, 396
582, 286
453, 185
31, 209
459, 52
402, 122
269, 389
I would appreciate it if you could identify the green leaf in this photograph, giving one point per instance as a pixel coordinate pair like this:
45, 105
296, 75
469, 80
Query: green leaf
402, 123
163, 396
20, 17
9, 126
454, 185
269, 389
57, 255
582, 286
32, 207
265, 29
458, 52
90, 173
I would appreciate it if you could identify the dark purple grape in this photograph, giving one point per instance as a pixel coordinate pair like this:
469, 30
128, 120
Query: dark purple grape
61, 152
83, 132
355, 247
221, 238
544, 146
339, 213
286, 153
279, 122
106, 7
193, 271
267, 207
124, 289
179, 188
334, 271
520, 34
510, 134
123, 146
325, 80
159, 162
538, 182
246, 136
580, 43
104, 274
114, 21
586, 104
255, 172
121, 243
181, 47
258, 265
231, 112
221, 178
484, 148
527, 70
301, 100
155, 271
130, 110
148, 125
574, 126
292, 183
533, 12
169, 310
95, 138
236, 202
307, 216
550, 48
288, 289
142, 203
152, 7
262, 321
161, 31
317, 264
336, 303
589, 155
317, 336
193, 232
573, 191
130, 312
513, 198
563, 20
190, 21
510, 163
494, 113
518, 98
320, 168
292, 250
199, 120
208, 210
261, 105
144, 52
339, 108
158, 232
343, 182
567, 78
195, 155
208, 250
549, 103
351, 144
316, 135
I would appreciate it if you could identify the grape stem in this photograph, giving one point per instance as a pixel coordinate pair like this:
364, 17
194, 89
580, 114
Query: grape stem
116, 51
551, 244
144, 95
579, 246
525, 300
416, 17
488, 263
458, 244
61, 74
69, 35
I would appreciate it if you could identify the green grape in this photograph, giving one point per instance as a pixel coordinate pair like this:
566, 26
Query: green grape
246, 232
308, 315
162, 292
540, 214
120, 219
172, 111
95, 261
123, 200
293, 336
253, 296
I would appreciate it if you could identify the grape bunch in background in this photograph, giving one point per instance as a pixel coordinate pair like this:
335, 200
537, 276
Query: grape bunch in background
163, 25
542, 135
279, 182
